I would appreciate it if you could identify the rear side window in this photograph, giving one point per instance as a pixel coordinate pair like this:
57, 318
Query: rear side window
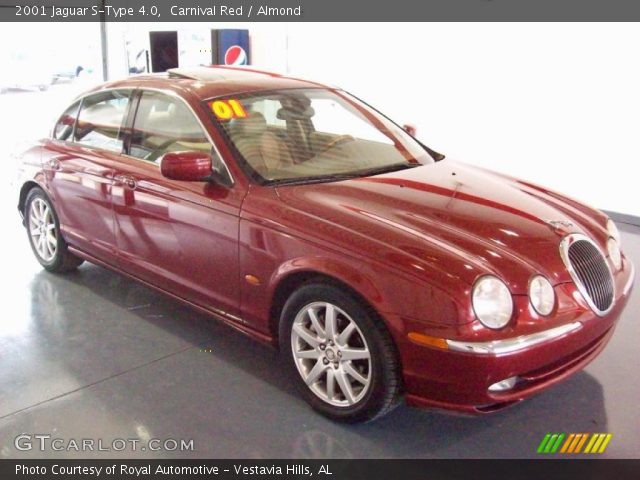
101, 119
165, 124
64, 127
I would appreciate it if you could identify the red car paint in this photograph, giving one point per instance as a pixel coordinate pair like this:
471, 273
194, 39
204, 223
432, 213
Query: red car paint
186, 166
410, 243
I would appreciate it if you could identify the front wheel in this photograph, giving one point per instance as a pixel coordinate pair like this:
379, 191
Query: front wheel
340, 353
43, 229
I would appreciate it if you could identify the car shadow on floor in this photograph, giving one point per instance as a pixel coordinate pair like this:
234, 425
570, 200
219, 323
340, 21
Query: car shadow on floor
576, 405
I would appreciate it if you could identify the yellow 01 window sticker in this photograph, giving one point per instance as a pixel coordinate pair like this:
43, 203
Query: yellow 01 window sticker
228, 109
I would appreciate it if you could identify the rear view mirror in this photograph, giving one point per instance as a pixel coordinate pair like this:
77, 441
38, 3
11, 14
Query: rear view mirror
410, 129
192, 166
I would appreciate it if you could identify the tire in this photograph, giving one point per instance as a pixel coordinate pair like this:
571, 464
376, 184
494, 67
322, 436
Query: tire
362, 388
41, 222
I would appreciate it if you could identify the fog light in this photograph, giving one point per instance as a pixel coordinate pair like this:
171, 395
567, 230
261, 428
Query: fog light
502, 385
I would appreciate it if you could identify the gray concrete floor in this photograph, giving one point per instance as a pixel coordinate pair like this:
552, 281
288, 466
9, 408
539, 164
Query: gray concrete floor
95, 355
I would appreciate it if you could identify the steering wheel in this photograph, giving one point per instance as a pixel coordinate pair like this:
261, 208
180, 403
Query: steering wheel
338, 141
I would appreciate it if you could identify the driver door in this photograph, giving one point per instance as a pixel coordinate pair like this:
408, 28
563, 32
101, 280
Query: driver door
179, 236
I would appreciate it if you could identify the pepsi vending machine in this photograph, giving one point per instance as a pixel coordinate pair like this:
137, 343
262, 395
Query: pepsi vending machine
230, 47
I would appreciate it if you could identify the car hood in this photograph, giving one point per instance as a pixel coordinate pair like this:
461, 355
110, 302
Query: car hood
456, 218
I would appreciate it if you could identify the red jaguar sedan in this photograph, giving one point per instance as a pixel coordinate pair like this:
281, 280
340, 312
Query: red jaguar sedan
299, 215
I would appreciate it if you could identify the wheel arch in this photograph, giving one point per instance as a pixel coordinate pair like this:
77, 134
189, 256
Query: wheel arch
288, 280
24, 192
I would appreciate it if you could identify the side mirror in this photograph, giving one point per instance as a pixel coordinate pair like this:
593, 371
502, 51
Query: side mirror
193, 166
410, 129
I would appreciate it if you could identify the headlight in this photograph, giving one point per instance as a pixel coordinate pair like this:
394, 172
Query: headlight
492, 302
614, 253
541, 295
613, 231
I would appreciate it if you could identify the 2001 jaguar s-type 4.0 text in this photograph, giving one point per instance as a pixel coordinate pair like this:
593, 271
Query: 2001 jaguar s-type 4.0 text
301, 216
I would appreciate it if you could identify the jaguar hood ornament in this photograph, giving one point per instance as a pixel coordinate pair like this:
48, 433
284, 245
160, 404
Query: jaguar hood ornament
559, 225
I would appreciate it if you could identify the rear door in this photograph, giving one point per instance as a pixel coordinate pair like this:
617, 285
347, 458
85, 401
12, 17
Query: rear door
180, 236
79, 165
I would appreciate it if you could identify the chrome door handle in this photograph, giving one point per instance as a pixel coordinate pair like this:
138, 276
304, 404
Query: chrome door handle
126, 180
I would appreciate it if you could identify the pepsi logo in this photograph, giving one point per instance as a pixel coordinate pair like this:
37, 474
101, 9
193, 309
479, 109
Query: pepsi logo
235, 55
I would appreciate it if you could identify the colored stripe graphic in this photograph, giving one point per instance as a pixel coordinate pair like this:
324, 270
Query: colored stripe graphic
593, 439
544, 443
572, 443
551, 442
568, 442
598, 443
578, 440
606, 441
583, 438
547, 448
575, 442
555, 447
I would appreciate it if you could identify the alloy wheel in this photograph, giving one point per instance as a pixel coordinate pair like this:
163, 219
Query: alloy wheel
331, 354
42, 230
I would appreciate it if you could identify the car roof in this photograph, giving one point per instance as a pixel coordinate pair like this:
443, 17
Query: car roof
214, 81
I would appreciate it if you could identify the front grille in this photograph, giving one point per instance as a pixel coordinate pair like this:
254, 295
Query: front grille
589, 271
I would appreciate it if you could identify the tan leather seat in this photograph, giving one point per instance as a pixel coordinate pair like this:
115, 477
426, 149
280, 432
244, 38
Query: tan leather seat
264, 150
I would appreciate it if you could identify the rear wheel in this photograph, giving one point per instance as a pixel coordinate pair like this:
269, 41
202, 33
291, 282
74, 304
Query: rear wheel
340, 353
43, 229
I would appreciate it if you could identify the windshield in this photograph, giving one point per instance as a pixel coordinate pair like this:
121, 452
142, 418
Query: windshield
311, 135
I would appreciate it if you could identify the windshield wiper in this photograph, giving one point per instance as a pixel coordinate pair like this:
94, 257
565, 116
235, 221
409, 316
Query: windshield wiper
337, 177
317, 179
386, 169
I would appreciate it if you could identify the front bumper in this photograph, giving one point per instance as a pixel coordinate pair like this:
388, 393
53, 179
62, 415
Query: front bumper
459, 377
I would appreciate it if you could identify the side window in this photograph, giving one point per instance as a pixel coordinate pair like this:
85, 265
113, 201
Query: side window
165, 124
64, 127
101, 118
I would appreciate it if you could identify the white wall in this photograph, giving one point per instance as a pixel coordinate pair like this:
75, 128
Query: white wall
268, 42
557, 104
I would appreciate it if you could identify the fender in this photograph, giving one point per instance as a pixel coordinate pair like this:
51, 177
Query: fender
27, 184
298, 270
340, 271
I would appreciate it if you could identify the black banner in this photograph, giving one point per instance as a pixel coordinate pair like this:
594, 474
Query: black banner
326, 469
316, 10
